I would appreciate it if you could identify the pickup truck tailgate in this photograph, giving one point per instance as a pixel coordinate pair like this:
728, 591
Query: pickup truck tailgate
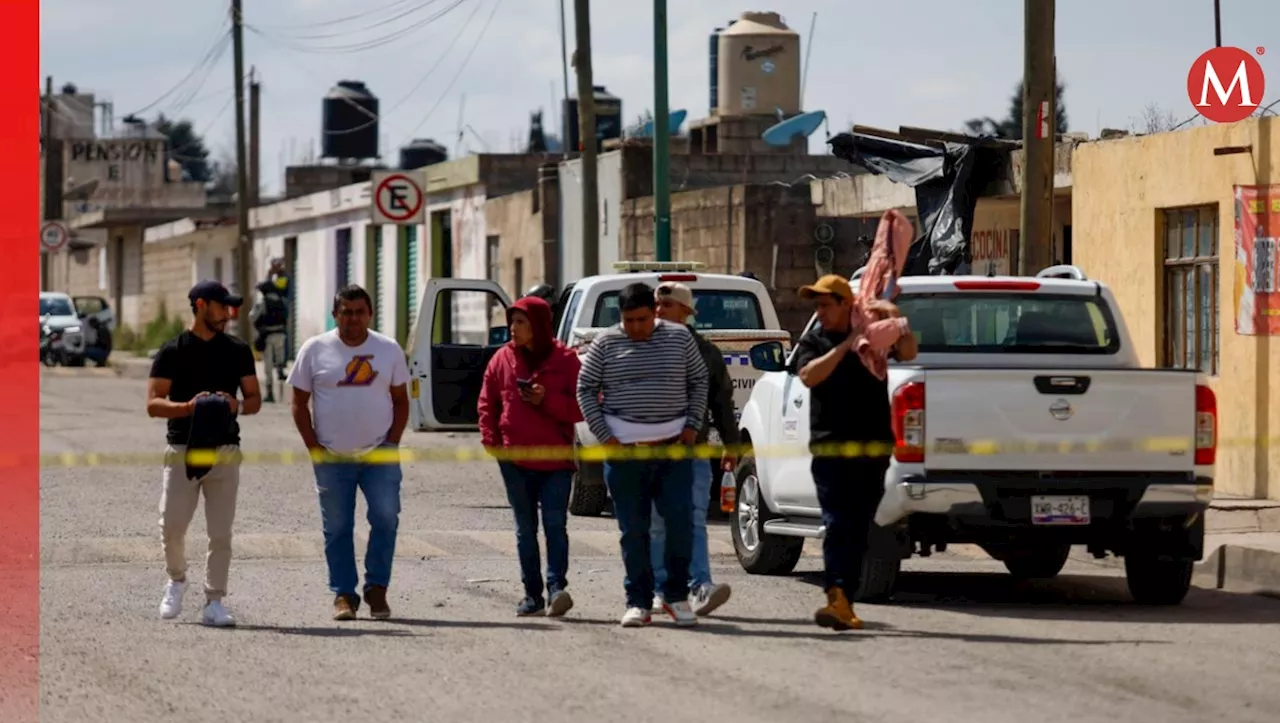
1045, 420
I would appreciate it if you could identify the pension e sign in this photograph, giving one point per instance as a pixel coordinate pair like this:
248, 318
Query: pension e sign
1239, 96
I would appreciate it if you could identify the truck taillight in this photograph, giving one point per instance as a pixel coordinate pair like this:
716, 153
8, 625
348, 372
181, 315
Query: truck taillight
908, 422
1206, 425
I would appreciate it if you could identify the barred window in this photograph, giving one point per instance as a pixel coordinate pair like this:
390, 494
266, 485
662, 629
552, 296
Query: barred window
1190, 240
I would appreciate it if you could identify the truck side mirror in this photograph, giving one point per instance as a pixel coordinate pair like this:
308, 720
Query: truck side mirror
499, 335
768, 356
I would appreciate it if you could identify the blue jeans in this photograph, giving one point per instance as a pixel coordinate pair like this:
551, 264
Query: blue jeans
527, 490
336, 485
699, 564
636, 488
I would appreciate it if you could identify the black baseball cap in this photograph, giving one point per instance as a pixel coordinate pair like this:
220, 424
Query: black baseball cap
215, 291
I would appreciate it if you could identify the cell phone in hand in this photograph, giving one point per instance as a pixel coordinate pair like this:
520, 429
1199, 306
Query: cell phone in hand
524, 385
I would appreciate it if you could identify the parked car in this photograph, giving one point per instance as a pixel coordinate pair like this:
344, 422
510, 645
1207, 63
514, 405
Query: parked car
1025, 425
462, 323
74, 329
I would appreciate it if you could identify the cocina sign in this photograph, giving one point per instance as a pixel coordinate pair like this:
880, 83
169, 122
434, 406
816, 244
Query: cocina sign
397, 199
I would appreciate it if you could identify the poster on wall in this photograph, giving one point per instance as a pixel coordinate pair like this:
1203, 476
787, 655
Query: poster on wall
1257, 283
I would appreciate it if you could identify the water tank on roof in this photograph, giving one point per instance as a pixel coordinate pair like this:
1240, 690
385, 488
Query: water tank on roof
608, 117
422, 152
350, 122
759, 67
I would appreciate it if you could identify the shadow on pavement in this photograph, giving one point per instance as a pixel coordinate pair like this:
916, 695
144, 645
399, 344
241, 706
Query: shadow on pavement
385, 628
1074, 597
769, 628
323, 632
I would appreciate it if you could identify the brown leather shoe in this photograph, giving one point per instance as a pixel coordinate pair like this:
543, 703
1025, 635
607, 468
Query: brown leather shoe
345, 607
838, 613
376, 596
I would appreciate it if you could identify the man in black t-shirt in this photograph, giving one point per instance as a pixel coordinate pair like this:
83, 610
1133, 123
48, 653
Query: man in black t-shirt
194, 381
847, 403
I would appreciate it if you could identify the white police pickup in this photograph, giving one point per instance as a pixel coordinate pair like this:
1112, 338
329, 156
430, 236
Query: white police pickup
461, 324
1025, 425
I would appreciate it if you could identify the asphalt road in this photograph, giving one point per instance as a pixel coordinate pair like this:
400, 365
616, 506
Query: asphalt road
961, 643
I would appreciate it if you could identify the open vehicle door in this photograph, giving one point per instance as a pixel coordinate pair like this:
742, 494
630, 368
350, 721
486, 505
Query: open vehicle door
461, 325
95, 307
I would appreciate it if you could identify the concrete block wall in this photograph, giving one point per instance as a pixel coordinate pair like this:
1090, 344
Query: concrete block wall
736, 229
167, 276
519, 229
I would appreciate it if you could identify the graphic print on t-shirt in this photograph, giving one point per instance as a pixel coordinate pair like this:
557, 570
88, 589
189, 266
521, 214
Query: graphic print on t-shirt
359, 372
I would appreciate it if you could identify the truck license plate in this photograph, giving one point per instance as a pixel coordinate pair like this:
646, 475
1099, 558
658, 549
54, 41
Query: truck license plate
1049, 510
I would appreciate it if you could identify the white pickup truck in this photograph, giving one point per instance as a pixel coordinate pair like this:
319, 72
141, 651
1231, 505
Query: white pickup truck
451, 350
1025, 425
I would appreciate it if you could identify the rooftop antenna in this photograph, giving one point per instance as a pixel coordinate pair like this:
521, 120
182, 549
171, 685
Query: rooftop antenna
804, 74
462, 105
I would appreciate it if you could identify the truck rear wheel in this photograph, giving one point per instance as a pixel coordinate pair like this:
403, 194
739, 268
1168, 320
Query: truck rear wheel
589, 498
759, 552
1153, 581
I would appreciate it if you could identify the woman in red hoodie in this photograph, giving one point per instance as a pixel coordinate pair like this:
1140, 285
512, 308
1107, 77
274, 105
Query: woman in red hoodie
529, 399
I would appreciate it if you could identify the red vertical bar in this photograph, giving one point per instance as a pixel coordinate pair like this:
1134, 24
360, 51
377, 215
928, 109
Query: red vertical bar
19, 364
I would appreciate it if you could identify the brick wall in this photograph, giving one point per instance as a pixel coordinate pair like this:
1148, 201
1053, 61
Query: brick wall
689, 172
166, 281
736, 229
512, 219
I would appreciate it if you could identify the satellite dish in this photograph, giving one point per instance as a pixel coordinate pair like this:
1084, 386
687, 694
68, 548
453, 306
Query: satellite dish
802, 125
674, 121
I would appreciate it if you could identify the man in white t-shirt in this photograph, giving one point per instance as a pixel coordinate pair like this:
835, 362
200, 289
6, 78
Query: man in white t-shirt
350, 399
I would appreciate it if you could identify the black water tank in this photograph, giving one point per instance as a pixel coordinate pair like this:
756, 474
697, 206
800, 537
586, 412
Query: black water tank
422, 152
608, 117
350, 125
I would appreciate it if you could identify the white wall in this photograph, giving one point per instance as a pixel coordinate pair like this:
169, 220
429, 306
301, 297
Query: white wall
469, 231
609, 197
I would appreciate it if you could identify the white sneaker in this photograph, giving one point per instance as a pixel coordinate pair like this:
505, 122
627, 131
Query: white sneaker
636, 618
217, 616
171, 604
682, 614
709, 597
659, 603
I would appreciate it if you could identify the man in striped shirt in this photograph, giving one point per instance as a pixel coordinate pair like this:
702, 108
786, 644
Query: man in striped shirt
644, 382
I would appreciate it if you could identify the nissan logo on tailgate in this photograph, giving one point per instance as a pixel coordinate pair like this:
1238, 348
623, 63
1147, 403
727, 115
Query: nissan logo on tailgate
1061, 410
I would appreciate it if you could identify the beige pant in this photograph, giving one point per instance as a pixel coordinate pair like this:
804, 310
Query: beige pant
178, 505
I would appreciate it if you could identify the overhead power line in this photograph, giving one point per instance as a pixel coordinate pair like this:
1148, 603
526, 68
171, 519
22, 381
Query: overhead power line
219, 47
338, 21
364, 45
352, 31
425, 76
471, 52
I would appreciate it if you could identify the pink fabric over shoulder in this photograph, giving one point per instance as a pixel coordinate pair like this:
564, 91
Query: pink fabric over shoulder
888, 257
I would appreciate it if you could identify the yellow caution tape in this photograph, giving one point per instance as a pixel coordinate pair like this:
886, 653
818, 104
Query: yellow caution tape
1174, 446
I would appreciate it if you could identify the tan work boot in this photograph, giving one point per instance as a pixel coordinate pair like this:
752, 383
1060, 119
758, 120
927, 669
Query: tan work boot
838, 613
376, 596
345, 606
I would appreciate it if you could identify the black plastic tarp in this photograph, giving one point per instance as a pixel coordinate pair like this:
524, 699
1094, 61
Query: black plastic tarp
947, 184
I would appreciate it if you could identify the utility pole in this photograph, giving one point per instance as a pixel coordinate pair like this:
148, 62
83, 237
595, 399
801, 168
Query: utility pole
564, 71
1217, 23
255, 105
244, 256
1039, 92
52, 178
661, 137
587, 138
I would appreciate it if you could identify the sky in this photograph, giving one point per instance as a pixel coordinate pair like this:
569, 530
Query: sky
928, 63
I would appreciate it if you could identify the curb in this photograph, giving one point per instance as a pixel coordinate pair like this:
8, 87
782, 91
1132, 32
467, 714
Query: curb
1227, 566
1238, 566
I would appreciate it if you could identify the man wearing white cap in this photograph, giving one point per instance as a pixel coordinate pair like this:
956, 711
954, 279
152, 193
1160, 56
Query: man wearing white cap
676, 305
